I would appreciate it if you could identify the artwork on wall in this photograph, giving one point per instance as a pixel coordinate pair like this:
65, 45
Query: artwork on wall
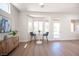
4, 24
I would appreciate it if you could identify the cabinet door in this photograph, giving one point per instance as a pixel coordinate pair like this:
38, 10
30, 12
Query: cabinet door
4, 47
0, 49
15, 41
10, 44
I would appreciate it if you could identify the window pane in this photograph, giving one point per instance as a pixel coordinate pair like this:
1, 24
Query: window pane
5, 7
46, 27
41, 26
56, 30
29, 26
77, 27
36, 26
72, 27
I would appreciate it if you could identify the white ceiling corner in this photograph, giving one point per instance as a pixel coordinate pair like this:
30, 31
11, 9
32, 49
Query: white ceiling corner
48, 7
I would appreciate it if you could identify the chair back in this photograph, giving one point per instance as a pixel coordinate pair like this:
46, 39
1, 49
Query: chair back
31, 33
47, 33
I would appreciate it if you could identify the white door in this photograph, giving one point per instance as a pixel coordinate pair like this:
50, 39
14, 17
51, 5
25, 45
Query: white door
56, 29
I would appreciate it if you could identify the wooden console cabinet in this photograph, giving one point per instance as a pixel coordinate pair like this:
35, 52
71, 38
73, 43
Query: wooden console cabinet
7, 45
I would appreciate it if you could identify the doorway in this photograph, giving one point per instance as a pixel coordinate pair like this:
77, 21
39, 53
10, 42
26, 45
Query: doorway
56, 30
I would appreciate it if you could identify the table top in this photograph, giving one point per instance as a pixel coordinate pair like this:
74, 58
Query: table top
39, 42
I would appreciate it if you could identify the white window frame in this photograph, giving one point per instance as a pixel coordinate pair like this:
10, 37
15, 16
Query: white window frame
72, 27
8, 4
38, 25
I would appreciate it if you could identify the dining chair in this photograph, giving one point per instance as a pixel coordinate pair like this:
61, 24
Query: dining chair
45, 35
33, 35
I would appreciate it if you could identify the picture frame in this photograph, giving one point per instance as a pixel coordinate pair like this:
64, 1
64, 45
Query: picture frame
4, 24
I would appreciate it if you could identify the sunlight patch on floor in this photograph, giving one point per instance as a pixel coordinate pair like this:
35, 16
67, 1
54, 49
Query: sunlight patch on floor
25, 45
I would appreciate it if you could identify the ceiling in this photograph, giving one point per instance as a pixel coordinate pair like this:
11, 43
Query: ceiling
48, 7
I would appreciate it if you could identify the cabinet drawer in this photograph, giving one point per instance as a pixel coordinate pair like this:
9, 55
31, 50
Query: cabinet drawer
4, 46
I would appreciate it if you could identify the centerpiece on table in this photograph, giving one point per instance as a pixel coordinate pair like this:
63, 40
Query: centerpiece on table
39, 40
39, 31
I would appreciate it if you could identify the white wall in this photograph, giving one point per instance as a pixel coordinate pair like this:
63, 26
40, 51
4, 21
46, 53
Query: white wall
13, 17
23, 19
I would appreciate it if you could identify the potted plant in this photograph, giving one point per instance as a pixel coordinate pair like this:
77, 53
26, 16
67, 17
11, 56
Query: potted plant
13, 33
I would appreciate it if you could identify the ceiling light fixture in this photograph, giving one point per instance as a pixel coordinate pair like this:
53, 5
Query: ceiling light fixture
42, 5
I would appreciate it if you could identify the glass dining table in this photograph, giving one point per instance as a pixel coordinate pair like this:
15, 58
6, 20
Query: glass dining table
39, 38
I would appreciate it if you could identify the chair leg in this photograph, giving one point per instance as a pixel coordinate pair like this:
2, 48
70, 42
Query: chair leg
31, 38
47, 38
43, 39
35, 38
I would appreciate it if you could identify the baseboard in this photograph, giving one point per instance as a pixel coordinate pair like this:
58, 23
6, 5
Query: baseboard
24, 40
65, 40
53, 40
